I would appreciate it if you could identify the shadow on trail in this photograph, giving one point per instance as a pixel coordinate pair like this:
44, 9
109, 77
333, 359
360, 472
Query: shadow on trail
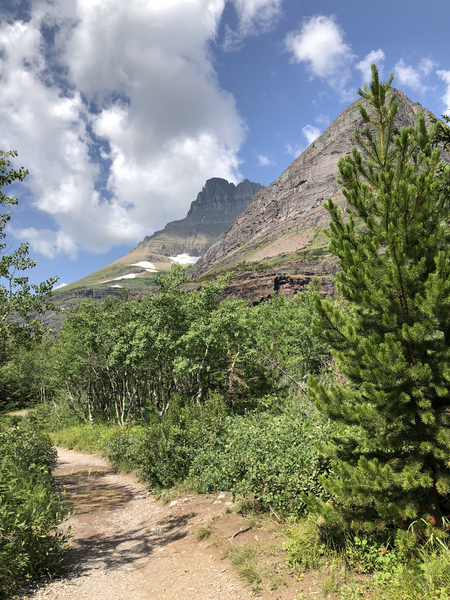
128, 549
87, 492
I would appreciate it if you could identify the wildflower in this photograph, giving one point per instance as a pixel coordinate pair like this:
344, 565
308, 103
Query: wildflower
383, 550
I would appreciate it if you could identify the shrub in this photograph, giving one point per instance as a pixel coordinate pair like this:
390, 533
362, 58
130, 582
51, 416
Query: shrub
271, 457
30, 509
164, 451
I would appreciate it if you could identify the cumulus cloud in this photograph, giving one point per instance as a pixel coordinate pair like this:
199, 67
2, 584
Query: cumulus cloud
445, 76
320, 45
412, 77
47, 242
311, 133
375, 57
264, 161
254, 16
117, 114
323, 120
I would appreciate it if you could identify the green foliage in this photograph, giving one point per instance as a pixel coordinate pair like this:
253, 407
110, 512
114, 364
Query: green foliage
18, 298
123, 359
405, 564
84, 438
30, 509
25, 377
165, 451
392, 340
283, 343
270, 457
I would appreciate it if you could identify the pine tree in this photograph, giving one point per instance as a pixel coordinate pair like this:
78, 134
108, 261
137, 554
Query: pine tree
391, 333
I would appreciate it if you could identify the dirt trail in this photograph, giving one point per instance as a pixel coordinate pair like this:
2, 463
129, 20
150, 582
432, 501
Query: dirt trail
126, 545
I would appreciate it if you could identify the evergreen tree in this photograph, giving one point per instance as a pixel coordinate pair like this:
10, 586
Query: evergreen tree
391, 336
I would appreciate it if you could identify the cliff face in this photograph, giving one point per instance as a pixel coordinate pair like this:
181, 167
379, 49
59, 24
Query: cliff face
214, 211
283, 222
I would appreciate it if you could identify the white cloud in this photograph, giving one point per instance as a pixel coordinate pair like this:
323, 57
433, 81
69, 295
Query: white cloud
184, 259
375, 57
294, 150
445, 76
322, 120
311, 133
122, 120
412, 77
60, 285
46, 242
320, 44
264, 161
426, 66
255, 16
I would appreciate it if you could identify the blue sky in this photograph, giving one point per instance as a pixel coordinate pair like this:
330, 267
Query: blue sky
121, 110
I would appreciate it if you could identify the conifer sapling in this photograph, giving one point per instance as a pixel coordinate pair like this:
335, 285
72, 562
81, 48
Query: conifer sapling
391, 339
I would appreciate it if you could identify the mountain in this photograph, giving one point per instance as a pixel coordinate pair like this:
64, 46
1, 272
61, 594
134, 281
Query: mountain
215, 209
278, 242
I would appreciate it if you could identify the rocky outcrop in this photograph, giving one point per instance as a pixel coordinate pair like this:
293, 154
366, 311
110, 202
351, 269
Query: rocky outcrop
285, 217
257, 286
214, 211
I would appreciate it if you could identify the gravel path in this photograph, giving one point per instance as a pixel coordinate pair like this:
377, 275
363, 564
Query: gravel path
126, 545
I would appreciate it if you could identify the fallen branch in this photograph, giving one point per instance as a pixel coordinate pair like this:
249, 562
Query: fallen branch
238, 532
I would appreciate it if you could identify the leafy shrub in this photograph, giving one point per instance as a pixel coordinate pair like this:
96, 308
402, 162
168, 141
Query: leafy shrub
122, 449
54, 416
272, 457
165, 451
30, 509
410, 564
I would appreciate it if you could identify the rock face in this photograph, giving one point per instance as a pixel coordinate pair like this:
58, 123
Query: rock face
214, 211
282, 225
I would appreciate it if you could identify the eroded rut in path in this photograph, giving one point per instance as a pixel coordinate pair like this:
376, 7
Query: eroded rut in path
126, 545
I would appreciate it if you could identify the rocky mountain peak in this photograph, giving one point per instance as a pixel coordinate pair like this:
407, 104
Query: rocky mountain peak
215, 209
284, 220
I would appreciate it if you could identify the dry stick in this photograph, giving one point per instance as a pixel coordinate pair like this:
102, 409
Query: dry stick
238, 532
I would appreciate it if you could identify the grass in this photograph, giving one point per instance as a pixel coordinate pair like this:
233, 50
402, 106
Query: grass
183, 488
355, 571
245, 562
84, 438
203, 533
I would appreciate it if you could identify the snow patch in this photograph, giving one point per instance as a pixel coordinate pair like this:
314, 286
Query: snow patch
117, 286
129, 276
148, 266
184, 259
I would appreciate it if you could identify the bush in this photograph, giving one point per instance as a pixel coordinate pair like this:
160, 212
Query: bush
164, 452
271, 457
122, 449
55, 415
30, 509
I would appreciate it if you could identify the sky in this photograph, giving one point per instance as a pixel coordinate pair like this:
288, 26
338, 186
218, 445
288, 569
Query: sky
121, 110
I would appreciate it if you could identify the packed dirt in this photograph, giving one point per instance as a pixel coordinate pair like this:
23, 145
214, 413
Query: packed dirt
128, 546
